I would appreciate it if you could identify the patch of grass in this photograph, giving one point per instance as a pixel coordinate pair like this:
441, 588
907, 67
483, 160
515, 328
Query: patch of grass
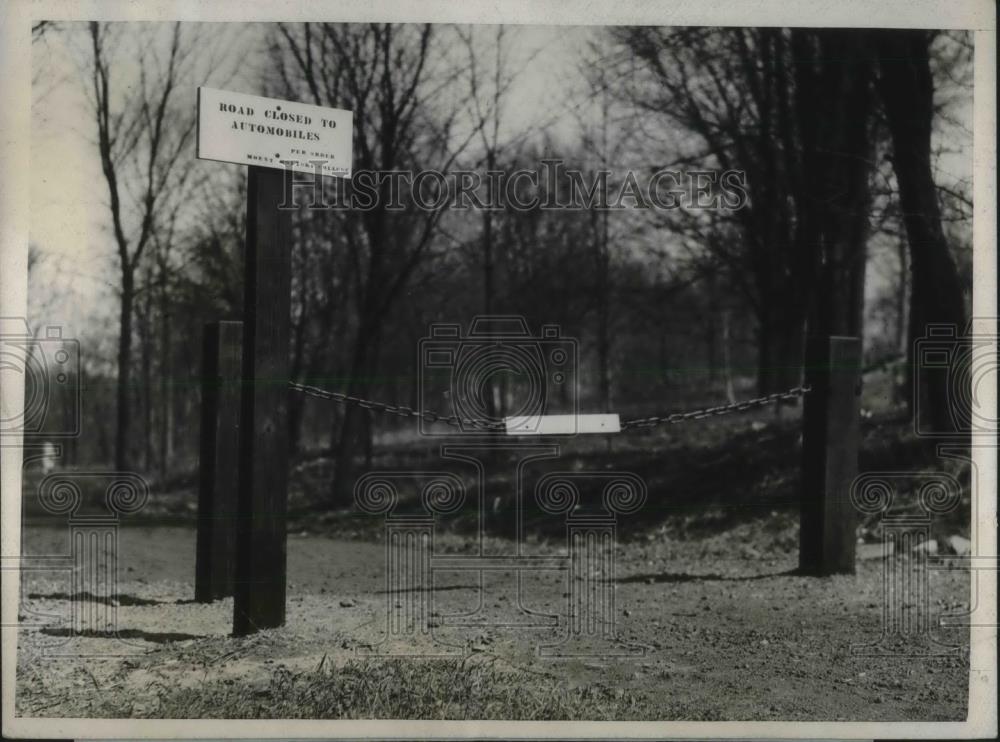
400, 689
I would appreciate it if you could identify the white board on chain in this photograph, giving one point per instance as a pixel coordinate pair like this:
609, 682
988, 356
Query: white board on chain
561, 424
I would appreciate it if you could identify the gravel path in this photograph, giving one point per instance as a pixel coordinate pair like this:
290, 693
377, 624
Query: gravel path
744, 639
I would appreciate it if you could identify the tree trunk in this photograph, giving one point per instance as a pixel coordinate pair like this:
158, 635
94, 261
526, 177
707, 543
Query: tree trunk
296, 402
780, 344
166, 381
907, 90
70, 412
902, 300
495, 401
146, 392
603, 311
902, 375
352, 437
123, 390
781, 351
843, 156
726, 359
711, 346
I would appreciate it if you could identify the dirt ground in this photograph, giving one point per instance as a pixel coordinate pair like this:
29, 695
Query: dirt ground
709, 619
746, 639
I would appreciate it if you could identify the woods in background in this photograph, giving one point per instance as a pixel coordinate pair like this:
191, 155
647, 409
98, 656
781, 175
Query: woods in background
850, 226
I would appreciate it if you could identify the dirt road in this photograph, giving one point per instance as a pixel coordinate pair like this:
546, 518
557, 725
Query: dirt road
749, 640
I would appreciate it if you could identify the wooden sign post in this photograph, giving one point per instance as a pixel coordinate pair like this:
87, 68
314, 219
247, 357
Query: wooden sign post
221, 388
830, 435
259, 598
274, 138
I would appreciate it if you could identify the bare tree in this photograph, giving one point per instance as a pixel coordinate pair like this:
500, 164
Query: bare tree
605, 138
729, 90
906, 86
389, 76
44, 76
145, 129
790, 109
488, 89
833, 105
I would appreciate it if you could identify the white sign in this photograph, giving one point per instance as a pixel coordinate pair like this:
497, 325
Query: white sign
268, 132
561, 424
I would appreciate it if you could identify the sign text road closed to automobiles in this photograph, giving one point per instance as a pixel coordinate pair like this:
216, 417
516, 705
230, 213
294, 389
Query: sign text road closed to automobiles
268, 132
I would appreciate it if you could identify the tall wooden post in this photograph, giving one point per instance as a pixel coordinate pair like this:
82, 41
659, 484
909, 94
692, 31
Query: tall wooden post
259, 600
218, 465
830, 437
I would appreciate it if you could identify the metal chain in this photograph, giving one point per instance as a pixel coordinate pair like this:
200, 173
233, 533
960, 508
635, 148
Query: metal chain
392, 409
456, 421
679, 417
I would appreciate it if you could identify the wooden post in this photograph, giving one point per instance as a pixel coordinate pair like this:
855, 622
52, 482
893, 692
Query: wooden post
830, 436
218, 465
263, 477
